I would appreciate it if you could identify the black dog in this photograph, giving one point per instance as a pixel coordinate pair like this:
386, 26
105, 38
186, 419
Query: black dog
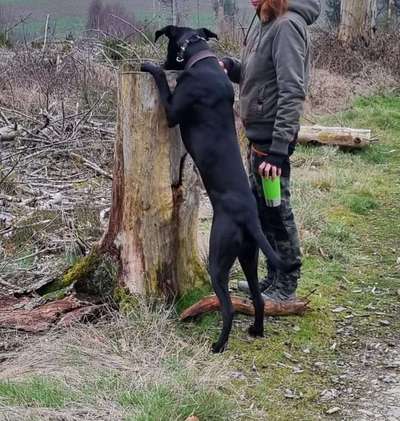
202, 104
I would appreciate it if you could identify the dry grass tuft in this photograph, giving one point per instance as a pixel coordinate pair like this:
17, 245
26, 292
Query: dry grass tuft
136, 344
332, 92
330, 54
107, 368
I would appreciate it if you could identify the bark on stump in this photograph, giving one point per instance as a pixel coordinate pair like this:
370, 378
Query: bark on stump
154, 214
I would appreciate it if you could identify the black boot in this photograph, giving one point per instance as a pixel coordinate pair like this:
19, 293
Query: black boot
265, 285
284, 289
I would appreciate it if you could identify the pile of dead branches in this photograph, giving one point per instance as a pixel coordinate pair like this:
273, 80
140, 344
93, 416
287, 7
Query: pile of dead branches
57, 129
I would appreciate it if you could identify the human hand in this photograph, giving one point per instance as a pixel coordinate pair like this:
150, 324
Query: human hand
267, 170
222, 64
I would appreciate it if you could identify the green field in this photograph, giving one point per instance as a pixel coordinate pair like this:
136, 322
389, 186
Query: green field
70, 15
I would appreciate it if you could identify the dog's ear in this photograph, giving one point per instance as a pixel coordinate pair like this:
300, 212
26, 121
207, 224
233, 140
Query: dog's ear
206, 33
169, 31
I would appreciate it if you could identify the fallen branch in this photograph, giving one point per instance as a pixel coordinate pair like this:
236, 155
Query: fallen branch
22, 20
5, 119
244, 306
335, 136
23, 313
8, 133
8, 285
46, 29
91, 165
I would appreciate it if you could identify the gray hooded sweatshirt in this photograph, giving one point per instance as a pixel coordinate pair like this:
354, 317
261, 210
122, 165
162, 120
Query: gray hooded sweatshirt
273, 76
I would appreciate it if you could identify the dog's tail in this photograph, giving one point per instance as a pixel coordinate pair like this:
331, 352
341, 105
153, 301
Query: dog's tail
273, 258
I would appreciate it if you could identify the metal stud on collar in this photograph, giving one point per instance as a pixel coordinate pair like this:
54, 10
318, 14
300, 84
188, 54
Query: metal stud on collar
184, 46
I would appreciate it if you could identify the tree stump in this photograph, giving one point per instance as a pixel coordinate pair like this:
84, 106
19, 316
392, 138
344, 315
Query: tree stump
153, 221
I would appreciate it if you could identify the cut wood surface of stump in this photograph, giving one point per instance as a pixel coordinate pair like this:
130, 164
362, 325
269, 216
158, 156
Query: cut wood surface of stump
153, 220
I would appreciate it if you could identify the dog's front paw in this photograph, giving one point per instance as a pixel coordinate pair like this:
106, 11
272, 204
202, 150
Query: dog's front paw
150, 68
255, 332
218, 348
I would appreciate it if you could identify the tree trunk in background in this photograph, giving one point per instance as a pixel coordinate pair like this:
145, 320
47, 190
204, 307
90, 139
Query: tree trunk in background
154, 214
174, 8
358, 20
391, 14
220, 17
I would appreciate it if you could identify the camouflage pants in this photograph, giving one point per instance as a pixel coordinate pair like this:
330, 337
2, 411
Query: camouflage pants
279, 226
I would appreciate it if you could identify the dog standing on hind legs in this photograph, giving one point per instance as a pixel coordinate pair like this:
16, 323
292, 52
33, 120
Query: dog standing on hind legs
202, 104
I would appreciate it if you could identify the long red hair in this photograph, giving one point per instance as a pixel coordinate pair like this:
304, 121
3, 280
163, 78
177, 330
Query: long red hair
271, 9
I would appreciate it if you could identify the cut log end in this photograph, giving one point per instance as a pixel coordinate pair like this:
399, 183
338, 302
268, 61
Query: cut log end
241, 305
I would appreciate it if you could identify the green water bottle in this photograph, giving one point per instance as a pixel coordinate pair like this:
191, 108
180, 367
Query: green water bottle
272, 191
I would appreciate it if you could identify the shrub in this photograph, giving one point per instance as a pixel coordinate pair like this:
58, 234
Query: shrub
4, 41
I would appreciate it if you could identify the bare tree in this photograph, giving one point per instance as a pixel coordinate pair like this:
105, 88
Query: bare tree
393, 11
94, 14
6, 18
174, 9
358, 20
225, 11
1, 18
5, 21
110, 18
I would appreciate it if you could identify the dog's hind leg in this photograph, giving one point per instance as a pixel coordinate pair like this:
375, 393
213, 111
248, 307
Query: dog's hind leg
223, 252
220, 281
248, 259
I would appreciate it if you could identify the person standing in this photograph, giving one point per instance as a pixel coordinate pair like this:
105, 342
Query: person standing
273, 76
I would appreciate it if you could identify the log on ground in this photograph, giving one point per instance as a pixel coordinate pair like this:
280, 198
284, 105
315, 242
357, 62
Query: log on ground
335, 136
242, 305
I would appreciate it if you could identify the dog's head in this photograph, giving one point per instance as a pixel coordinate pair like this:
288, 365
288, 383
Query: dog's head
180, 40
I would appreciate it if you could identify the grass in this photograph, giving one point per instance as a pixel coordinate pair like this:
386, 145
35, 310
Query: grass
70, 16
163, 403
148, 367
346, 207
36, 391
361, 203
137, 364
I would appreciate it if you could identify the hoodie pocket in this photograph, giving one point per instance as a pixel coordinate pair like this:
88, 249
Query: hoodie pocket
261, 98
